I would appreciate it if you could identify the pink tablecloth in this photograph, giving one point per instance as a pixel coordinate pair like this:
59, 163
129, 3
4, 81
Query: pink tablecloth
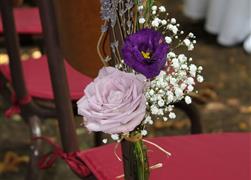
195, 157
27, 21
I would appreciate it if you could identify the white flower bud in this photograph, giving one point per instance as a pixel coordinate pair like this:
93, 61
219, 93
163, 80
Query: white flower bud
104, 141
154, 8
163, 22
193, 67
182, 58
183, 86
148, 120
115, 137
172, 115
170, 98
171, 55
168, 39
178, 92
193, 70
162, 9
143, 132
173, 81
190, 81
184, 66
174, 29
154, 110
151, 92
173, 20
190, 88
191, 35
141, 7
161, 103
188, 99
187, 42
200, 68
200, 78
191, 47
175, 63
142, 20
155, 23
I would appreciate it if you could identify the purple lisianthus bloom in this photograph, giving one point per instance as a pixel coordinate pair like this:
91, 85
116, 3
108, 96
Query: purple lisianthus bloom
145, 51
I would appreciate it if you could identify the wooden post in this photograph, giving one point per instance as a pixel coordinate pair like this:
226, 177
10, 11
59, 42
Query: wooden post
58, 76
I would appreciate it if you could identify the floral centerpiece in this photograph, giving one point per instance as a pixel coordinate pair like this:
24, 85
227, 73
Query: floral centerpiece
147, 77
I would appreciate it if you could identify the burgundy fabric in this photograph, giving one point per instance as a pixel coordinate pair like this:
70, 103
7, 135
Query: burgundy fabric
38, 82
195, 157
27, 21
71, 159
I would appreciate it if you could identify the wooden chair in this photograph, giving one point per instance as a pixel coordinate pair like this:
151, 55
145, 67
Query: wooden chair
31, 80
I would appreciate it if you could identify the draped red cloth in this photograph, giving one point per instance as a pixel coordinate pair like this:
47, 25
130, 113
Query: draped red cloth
195, 157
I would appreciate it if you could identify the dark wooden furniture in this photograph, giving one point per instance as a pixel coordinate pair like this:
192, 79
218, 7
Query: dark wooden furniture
64, 112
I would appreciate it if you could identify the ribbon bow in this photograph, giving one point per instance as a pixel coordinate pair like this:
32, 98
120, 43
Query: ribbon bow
15, 108
73, 159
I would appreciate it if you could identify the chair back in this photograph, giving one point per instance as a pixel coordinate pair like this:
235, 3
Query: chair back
79, 28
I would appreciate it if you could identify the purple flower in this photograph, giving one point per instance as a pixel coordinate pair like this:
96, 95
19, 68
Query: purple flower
114, 102
145, 51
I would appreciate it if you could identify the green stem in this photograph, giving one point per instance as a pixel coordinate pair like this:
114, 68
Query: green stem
140, 153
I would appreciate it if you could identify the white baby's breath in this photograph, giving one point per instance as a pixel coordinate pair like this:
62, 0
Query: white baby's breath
200, 78
140, 8
188, 99
187, 42
163, 22
115, 137
172, 115
142, 20
143, 132
173, 21
156, 22
168, 39
104, 141
162, 9
154, 8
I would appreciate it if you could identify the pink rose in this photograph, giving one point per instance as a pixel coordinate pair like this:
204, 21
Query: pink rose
114, 102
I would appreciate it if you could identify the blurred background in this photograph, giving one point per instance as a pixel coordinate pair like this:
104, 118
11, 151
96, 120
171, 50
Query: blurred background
224, 99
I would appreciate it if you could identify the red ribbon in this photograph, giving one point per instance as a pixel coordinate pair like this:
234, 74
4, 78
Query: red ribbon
15, 108
73, 159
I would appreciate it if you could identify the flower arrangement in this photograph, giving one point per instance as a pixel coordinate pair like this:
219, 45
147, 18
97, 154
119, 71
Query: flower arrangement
148, 76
